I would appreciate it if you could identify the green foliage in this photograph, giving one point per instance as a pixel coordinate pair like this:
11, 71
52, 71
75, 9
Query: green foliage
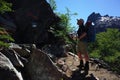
95, 54
63, 29
5, 38
107, 47
52, 4
3, 44
4, 6
107, 42
116, 65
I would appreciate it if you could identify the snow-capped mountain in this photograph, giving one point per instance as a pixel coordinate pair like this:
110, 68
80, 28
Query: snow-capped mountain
103, 22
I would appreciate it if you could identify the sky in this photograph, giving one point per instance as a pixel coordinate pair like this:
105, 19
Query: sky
85, 7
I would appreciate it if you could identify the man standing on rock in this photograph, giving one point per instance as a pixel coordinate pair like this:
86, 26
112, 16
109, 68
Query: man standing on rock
82, 46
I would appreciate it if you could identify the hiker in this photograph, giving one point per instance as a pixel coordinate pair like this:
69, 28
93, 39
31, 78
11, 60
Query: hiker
82, 46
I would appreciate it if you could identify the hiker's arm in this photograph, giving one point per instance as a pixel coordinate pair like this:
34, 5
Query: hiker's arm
82, 36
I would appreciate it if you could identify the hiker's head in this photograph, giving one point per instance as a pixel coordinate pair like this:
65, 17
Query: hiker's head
80, 21
88, 23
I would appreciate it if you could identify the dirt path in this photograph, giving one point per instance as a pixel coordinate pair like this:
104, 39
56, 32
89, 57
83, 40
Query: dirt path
104, 74
70, 63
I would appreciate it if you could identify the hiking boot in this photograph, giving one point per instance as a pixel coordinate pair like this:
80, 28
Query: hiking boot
81, 66
86, 68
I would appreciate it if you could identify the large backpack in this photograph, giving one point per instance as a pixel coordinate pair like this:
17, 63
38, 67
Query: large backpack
91, 34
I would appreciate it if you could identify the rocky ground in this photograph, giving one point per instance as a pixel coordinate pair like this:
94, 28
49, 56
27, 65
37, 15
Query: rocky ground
69, 66
36, 63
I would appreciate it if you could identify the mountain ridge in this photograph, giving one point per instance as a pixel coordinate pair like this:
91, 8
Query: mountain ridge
101, 23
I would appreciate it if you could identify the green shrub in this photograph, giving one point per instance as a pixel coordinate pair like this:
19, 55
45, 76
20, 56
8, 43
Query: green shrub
5, 38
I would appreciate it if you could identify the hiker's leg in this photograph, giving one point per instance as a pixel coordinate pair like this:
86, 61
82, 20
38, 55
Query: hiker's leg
85, 51
80, 56
86, 68
81, 61
86, 57
79, 53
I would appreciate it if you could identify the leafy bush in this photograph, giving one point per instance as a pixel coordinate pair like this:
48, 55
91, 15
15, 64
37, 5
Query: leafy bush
5, 38
107, 47
4, 6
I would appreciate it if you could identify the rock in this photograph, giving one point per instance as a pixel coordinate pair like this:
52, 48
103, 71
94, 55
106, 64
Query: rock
7, 70
41, 67
101, 23
54, 50
13, 57
13, 45
24, 52
33, 20
68, 64
29, 21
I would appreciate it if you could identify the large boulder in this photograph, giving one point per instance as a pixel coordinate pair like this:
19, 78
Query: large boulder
7, 70
33, 19
29, 21
41, 67
13, 57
